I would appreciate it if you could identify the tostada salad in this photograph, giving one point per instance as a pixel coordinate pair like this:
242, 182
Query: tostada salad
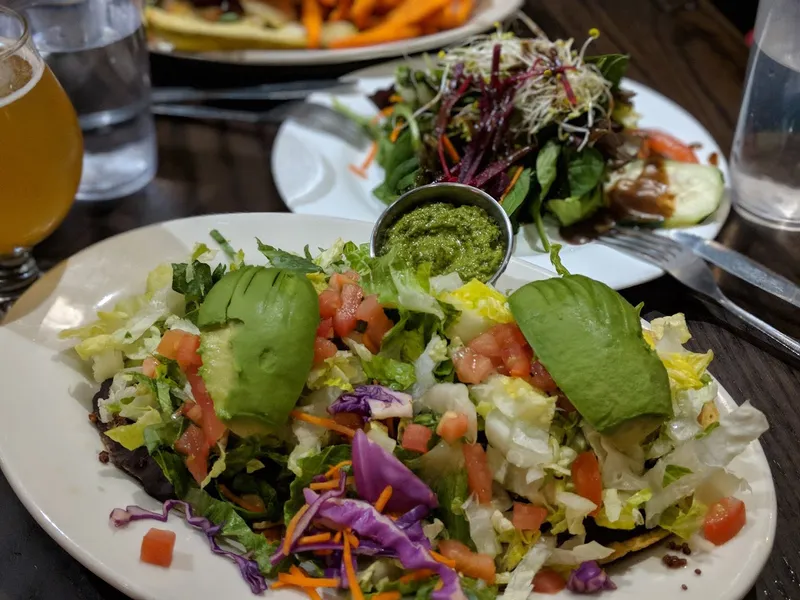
342, 422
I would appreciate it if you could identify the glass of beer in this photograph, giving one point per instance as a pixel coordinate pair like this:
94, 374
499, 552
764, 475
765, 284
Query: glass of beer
41, 152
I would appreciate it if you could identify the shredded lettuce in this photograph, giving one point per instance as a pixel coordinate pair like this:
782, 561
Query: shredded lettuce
684, 521
434, 354
451, 397
343, 371
131, 436
576, 509
217, 469
520, 584
481, 529
481, 308
620, 510
574, 552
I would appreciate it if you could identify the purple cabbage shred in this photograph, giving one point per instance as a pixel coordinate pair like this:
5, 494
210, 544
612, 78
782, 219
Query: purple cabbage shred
248, 568
589, 578
373, 402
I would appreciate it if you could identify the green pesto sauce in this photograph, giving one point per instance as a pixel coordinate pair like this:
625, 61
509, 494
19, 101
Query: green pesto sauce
461, 239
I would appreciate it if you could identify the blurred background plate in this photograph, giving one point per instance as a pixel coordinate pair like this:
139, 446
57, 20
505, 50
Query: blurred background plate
487, 14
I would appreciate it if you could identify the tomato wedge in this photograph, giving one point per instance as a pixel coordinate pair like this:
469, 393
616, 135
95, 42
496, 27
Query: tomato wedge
528, 517
472, 367
378, 324
329, 302
479, 476
452, 427
194, 446
587, 480
416, 438
547, 581
479, 566
325, 328
213, 428
486, 345
323, 349
149, 366
168, 346
157, 547
724, 520
187, 355
666, 146
345, 321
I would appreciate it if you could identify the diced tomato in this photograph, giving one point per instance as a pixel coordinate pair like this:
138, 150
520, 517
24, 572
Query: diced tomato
194, 446
541, 379
349, 420
528, 517
724, 520
213, 428
666, 146
587, 480
187, 355
471, 564
323, 349
472, 367
325, 328
345, 319
193, 412
378, 324
517, 359
486, 344
329, 302
547, 581
149, 366
479, 476
157, 547
416, 438
168, 346
339, 280
452, 427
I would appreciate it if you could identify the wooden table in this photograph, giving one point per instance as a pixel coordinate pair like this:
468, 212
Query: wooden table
689, 53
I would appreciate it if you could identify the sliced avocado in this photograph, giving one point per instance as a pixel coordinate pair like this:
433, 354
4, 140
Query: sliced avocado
695, 190
258, 327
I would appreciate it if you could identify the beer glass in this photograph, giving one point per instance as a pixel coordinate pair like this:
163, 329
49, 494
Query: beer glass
41, 152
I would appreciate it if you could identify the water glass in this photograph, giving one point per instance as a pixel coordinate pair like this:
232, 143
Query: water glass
40, 155
765, 160
98, 51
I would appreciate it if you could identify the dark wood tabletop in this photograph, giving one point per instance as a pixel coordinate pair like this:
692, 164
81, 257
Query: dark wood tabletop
685, 50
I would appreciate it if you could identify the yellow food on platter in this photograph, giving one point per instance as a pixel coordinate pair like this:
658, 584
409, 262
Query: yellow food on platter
209, 25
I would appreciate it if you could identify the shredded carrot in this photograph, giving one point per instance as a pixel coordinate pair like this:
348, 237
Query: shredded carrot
312, 593
450, 149
314, 539
388, 111
352, 580
308, 582
351, 538
416, 576
396, 131
312, 21
448, 562
328, 485
383, 499
287, 541
337, 538
511, 185
395, 98
373, 152
322, 422
393, 595
323, 552
362, 11
342, 11
380, 34
334, 470
411, 12
357, 171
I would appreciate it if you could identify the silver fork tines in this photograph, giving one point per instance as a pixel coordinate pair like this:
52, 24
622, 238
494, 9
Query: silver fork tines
690, 270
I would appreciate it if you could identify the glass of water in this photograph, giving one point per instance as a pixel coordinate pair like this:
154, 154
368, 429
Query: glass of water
97, 50
765, 161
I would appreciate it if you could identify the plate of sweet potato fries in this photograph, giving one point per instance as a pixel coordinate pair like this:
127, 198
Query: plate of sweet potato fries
309, 32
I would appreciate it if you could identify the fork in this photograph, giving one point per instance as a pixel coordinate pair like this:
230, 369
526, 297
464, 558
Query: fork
315, 116
682, 264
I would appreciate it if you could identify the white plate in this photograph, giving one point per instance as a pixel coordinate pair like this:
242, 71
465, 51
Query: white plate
48, 449
488, 13
322, 184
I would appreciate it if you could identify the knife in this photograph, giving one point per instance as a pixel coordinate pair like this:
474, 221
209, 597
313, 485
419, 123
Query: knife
739, 265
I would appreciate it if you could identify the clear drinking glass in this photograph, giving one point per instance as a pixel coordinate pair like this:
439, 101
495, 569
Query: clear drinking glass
40, 154
97, 50
765, 161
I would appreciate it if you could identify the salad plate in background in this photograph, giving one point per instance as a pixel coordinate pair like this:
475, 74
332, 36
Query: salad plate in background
73, 496
314, 172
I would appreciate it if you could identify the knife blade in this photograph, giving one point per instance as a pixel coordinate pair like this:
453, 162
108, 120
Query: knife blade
739, 265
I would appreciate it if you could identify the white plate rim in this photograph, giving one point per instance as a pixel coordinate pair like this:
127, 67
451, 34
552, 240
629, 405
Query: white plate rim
497, 10
628, 271
89, 558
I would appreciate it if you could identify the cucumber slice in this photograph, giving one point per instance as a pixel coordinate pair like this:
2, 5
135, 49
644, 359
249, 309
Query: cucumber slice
697, 189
